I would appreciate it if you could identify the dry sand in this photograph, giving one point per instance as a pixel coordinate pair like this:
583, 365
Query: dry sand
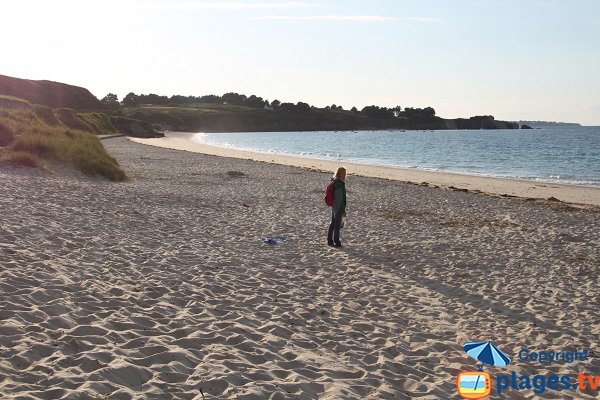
160, 287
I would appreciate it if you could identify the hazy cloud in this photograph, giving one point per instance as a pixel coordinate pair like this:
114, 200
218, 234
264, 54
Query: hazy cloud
362, 18
225, 5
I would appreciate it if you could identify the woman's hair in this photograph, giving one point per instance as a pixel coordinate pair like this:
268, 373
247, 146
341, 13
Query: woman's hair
339, 171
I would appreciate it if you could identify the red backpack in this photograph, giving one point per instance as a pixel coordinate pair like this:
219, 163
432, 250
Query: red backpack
329, 194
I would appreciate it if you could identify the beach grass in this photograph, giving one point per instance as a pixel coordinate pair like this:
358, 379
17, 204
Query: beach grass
20, 159
45, 115
98, 123
31, 136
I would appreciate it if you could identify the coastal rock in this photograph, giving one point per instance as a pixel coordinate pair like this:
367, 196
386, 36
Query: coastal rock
136, 128
479, 122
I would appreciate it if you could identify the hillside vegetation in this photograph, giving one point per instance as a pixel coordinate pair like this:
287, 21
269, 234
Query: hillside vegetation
45, 122
77, 108
34, 136
240, 118
50, 94
238, 112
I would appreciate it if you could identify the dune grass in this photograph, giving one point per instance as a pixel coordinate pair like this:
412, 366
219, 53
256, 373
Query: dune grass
20, 159
46, 115
11, 102
99, 123
33, 140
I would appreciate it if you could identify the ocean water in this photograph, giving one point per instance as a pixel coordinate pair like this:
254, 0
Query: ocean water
554, 155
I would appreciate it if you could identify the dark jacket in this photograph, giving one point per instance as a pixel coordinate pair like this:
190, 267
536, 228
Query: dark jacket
339, 196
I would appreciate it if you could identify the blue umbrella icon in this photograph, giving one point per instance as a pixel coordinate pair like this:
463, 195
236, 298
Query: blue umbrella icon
486, 353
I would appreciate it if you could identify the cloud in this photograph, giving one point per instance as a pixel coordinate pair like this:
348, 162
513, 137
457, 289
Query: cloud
274, 5
225, 5
329, 17
420, 19
360, 18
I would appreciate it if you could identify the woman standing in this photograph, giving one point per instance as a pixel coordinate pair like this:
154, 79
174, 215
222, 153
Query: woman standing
338, 209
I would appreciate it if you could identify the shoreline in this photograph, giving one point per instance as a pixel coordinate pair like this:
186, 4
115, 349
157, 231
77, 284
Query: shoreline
489, 185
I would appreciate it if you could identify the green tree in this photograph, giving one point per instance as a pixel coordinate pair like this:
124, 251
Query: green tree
180, 100
234, 98
153, 99
131, 100
377, 112
302, 107
211, 99
254, 101
110, 98
430, 112
411, 112
111, 102
287, 106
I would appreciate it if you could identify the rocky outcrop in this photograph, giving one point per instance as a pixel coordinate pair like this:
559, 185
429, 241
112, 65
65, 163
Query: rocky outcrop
479, 122
136, 128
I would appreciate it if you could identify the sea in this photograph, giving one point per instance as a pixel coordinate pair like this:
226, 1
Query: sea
565, 155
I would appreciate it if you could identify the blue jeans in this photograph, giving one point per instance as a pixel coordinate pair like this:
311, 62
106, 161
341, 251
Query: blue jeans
333, 234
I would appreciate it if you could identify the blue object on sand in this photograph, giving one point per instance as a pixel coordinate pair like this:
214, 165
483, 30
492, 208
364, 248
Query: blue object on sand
487, 353
274, 239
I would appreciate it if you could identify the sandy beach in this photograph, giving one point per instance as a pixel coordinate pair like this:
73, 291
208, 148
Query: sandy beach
161, 288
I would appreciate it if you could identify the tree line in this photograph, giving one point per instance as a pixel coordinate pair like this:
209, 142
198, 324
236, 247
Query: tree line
111, 101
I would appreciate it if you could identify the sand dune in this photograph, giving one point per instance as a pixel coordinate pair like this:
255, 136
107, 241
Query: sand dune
160, 287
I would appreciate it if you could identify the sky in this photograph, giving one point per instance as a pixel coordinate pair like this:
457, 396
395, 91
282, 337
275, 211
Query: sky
513, 59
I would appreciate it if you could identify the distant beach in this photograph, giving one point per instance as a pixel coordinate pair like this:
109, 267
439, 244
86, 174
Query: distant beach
495, 186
